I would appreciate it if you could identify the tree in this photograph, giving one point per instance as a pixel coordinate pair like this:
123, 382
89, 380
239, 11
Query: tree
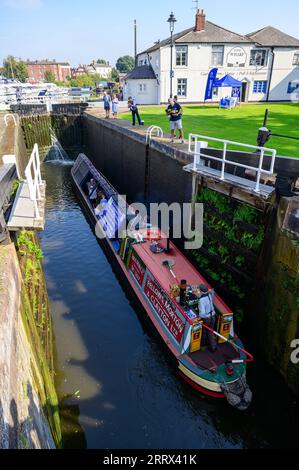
125, 64
50, 76
114, 75
102, 61
15, 69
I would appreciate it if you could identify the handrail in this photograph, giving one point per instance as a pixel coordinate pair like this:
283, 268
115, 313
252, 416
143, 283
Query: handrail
6, 119
34, 182
198, 142
150, 131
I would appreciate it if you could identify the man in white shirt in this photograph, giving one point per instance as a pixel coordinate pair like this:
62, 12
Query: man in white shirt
208, 315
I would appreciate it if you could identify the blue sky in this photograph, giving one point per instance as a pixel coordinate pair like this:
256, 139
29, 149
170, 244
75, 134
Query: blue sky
78, 31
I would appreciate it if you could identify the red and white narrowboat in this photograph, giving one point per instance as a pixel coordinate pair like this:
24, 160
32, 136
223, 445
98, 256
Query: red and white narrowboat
155, 269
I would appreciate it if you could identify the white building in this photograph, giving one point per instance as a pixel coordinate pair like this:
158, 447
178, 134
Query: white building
104, 70
266, 62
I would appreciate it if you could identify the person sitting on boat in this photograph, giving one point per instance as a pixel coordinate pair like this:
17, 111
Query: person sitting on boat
92, 193
101, 204
208, 315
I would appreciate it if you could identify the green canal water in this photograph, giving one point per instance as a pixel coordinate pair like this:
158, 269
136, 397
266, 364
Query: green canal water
117, 384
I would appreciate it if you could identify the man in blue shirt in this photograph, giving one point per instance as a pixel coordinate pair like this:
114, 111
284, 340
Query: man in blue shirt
174, 111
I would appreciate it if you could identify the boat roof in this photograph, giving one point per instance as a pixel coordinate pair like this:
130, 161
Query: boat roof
182, 268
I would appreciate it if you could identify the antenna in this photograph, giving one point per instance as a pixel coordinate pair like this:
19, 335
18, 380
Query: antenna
197, 5
135, 42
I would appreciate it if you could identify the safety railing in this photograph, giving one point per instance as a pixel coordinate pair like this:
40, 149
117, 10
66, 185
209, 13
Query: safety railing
34, 179
151, 130
197, 143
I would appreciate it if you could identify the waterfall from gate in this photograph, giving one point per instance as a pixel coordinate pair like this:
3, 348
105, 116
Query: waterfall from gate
57, 154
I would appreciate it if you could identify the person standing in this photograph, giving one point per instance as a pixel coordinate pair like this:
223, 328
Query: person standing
114, 106
107, 101
208, 315
135, 112
175, 112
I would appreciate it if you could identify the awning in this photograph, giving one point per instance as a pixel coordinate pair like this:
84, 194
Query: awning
228, 81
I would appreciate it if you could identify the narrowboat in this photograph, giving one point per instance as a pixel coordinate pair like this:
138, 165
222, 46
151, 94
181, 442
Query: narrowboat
165, 283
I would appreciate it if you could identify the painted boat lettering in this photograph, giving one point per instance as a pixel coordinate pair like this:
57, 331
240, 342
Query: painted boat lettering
164, 308
137, 268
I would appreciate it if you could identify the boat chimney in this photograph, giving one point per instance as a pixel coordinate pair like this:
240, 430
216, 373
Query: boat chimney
168, 249
200, 22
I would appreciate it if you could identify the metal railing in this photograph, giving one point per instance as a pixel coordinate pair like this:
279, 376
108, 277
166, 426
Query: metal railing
9, 116
34, 180
151, 130
199, 142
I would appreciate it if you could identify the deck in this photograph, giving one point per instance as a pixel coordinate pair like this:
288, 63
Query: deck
23, 214
243, 183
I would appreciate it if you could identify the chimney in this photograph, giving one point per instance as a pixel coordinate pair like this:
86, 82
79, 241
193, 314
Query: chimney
200, 23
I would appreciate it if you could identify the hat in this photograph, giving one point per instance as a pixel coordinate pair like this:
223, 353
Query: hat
204, 288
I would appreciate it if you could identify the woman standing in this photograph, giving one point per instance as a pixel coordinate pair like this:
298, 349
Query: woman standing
114, 106
107, 101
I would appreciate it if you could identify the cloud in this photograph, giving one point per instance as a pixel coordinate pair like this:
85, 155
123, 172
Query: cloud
23, 4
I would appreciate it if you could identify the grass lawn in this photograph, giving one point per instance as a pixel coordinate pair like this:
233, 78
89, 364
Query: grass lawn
240, 124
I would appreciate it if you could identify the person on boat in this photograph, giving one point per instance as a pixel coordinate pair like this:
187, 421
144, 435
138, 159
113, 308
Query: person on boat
101, 204
208, 315
92, 193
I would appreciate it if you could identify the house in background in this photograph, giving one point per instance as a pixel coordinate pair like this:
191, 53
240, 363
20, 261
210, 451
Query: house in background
37, 69
266, 62
104, 70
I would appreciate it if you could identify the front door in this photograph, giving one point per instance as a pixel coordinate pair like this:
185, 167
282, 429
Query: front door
244, 92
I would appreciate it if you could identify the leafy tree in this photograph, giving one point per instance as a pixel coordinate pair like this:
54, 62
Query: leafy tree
15, 69
125, 64
50, 76
102, 61
83, 80
114, 75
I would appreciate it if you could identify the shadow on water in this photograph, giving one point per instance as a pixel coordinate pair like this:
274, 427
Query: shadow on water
125, 392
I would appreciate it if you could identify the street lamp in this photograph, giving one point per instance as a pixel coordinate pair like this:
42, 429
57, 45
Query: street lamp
171, 20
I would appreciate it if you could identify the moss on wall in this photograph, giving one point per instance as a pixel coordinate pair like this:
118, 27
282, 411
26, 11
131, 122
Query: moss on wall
37, 320
233, 237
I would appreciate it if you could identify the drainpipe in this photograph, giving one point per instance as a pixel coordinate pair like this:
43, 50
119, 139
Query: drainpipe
271, 73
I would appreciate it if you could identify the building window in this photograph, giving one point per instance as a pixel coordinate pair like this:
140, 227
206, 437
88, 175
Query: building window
182, 56
142, 87
292, 87
259, 57
182, 87
217, 55
260, 86
296, 59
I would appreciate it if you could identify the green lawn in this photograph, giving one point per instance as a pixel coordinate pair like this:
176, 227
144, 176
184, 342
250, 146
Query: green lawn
240, 124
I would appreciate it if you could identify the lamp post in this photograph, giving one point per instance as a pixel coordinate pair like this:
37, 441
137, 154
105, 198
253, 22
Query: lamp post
171, 20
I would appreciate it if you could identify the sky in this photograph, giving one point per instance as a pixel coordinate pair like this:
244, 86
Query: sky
80, 31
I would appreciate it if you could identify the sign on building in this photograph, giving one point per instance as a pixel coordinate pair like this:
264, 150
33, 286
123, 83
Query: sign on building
236, 57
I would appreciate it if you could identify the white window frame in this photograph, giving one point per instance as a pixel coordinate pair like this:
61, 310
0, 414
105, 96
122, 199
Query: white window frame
296, 58
185, 85
180, 52
258, 63
216, 54
260, 88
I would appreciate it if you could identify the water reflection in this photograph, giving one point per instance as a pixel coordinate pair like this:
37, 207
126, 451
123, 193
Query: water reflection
129, 394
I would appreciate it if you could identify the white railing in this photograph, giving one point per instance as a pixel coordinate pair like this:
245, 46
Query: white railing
9, 116
199, 142
34, 179
151, 130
